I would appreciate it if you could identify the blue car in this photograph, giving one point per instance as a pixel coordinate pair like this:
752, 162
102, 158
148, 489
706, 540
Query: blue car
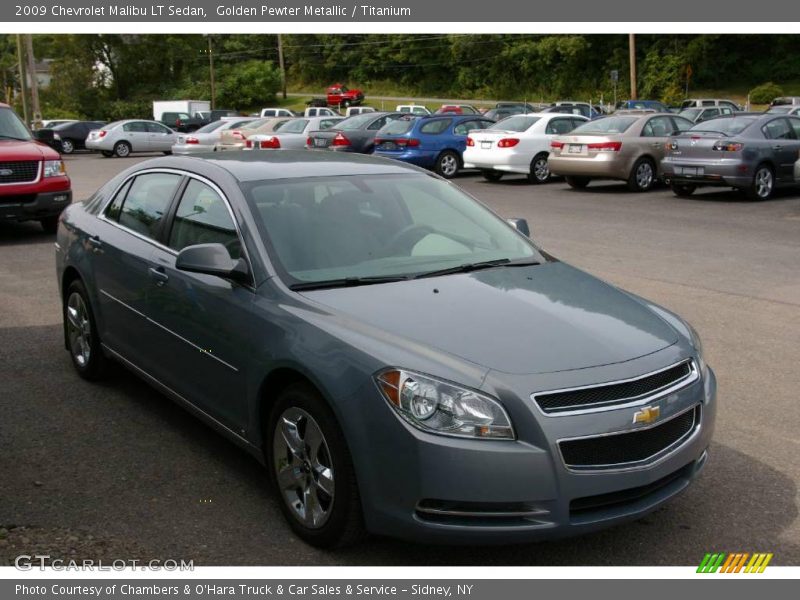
435, 142
643, 105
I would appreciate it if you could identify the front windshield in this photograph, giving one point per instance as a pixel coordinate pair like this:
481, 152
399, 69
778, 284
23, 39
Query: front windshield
604, 126
255, 124
727, 126
332, 228
210, 127
11, 126
356, 122
519, 123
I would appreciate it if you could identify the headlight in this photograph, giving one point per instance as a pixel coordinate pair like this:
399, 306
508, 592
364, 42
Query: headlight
439, 407
697, 343
54, 168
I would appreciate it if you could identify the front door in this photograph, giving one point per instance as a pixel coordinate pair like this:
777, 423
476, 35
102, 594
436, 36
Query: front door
160, 138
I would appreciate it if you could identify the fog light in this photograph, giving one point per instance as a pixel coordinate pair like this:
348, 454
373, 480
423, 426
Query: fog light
60, 198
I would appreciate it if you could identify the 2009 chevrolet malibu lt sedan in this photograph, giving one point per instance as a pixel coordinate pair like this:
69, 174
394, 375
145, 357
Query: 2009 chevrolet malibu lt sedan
404, 361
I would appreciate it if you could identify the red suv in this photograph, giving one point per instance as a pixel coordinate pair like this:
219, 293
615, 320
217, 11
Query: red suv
340, 95
33, 181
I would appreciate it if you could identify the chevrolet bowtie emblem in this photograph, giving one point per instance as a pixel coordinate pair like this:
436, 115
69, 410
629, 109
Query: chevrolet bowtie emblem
647, 415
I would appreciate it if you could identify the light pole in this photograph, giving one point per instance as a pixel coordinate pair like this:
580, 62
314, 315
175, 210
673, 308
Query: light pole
282, 65
211, 72
632, 57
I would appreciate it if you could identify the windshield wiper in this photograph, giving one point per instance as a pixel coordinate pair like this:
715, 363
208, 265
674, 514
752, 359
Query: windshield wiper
345, 282
476, 266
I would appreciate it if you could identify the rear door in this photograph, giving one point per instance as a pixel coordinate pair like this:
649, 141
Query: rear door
654, 137
784, 147
204, 335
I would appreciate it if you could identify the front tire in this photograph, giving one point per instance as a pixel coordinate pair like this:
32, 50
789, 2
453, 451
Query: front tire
311, 469
763, 184
577, 183
122, 149
642, 176
448, 164
80, 332
67, 146
540, 170
490, 175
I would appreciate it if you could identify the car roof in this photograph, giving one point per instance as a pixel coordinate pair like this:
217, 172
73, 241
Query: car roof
287, 164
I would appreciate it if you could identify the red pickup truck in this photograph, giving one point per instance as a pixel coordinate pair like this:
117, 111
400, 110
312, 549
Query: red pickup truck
340, 95
34, 185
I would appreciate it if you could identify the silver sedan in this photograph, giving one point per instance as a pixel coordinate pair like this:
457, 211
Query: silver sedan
121, 138
291, 136
205, 138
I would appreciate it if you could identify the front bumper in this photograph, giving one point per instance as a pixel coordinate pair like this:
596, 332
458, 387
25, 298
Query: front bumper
28, 207
728, 172
431, 488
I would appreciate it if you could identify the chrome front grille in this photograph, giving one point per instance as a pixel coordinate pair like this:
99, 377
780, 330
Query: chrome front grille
614, 394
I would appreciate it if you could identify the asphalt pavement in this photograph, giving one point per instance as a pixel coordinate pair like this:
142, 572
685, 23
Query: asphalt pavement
115, 470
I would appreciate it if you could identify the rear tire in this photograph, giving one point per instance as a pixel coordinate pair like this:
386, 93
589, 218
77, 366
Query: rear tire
80, 333
167, 152
683, 190
67, 146
490, 175
763, 184
448, 164
106, 153
122, 149
540, 171
577, 183
311, 469
643, 175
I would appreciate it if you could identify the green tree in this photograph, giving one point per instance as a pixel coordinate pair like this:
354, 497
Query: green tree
248, 84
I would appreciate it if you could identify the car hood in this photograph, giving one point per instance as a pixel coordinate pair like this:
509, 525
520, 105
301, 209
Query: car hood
11, 150
522, 320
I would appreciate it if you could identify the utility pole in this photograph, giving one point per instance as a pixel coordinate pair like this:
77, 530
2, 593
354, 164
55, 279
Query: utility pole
23, 88
37, 113
211, 73
282, 65
632, 56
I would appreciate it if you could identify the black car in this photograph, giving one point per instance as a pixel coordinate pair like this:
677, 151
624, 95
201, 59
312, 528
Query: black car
68, 137
354, 134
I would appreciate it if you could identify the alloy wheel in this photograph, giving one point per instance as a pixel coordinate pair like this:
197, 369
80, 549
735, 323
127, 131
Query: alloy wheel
541, 170
763, 183
448, 165
644, 175
303, 467
79, 329
67, 147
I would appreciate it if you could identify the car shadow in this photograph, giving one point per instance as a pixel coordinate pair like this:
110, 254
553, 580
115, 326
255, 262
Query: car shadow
27, 232
118, 460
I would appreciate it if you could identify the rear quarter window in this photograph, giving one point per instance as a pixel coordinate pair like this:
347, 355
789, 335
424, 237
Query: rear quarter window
435, 127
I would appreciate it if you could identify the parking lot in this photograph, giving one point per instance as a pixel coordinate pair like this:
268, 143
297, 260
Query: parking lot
118, 471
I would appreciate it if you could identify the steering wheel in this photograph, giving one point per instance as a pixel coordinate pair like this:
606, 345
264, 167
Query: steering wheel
406, 238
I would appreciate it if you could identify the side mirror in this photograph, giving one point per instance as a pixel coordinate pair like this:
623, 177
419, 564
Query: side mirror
212, 259
520, 225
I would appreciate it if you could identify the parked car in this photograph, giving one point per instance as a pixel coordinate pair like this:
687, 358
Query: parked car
519, 144
627, 145
354, 134
357, 110
320, 111
706, 102
34, 185
525, 106
341, 95
753, 152
412, 109
293, 135
400, 358
786, 101
278, 112
207, 137
209, 116
71, 136
182, 122
457, 109
50, 123
236, 138
121, 138
497, 114
435, 142
581, 109
653, 105
786, 109
698, 115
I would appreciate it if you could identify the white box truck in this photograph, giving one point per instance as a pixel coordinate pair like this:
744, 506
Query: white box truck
190, 107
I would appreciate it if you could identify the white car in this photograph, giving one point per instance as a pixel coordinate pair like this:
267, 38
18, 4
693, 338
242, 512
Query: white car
277, 112
357, 110
320, 111
518, 144
132, 135
412, 109
292, 135
205, 138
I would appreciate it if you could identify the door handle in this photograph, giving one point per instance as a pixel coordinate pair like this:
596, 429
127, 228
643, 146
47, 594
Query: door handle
158, 275
95, 243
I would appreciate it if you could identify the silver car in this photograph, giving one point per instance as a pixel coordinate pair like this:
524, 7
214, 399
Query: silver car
205, 138
753, 152
120, 138
293, 135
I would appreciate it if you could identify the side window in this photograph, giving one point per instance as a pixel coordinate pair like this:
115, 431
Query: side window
779, 129
576, 122
795, 123
147, 201
724, 110
375, 125
681, 124
435, 127
203, 218
156, 128
113, 210
657, 127
708, 103
135, 127
559, 126
464, 127
710, 113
